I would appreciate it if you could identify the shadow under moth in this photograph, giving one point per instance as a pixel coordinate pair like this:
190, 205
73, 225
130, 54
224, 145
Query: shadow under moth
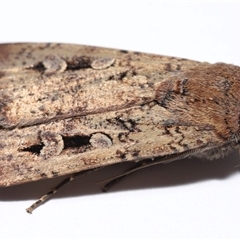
71, 109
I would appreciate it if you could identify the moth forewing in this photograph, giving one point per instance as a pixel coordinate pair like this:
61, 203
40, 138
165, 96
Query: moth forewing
70, 108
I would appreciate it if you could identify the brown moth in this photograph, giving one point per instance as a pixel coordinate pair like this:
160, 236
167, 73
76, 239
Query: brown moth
66, 109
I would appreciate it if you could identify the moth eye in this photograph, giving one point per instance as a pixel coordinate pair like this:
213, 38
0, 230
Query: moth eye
100, 140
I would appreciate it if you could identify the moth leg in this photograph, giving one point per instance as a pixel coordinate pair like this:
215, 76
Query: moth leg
166, 159
46, 196
144, 164
118, 178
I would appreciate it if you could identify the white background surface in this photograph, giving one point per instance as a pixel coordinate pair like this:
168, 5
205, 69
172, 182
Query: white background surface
188, 199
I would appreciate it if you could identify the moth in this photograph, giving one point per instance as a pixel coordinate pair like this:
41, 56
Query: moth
71, 109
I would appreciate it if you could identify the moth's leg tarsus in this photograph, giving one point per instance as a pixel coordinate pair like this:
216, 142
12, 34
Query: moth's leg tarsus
46, 196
